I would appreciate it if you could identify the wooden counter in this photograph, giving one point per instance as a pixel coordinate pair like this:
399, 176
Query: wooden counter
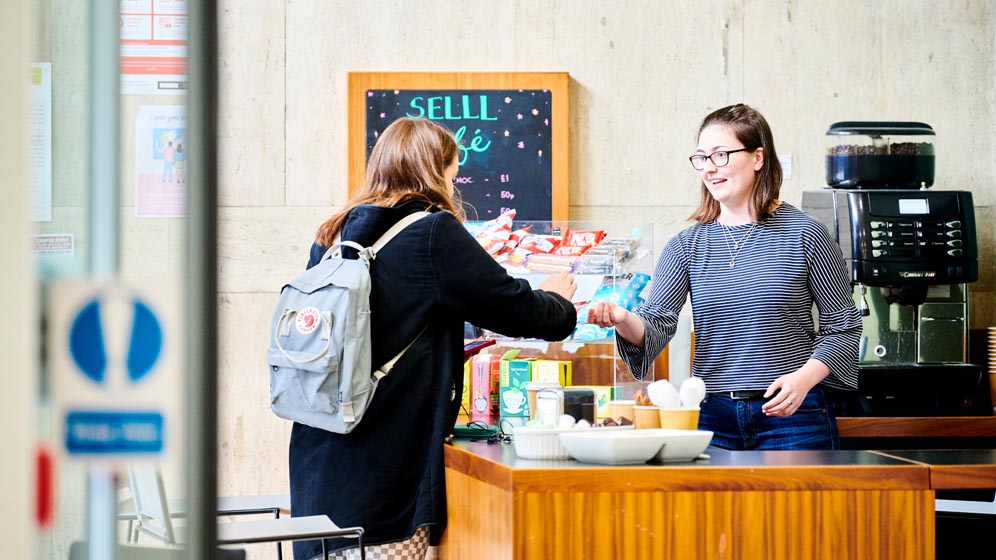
746, 504
954, 469
917, 427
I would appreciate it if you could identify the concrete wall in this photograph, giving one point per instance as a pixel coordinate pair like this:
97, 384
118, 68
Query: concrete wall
643, 76
644, 73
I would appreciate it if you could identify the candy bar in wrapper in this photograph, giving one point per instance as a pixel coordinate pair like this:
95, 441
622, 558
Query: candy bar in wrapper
584, 237
541, 262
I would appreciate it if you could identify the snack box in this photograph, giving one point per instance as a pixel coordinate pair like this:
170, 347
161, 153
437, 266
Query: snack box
485, 370
465, 397
552, 371
603, 394
515, 374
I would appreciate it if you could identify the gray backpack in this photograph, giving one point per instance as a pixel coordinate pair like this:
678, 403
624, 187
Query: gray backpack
319, 358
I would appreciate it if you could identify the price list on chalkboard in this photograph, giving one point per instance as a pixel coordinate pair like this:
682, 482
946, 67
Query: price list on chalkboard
504, 139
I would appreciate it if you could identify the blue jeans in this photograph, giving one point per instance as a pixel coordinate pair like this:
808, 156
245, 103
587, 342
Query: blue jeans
742, 425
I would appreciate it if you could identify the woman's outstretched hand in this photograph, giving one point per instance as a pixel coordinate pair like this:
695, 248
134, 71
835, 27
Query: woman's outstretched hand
605, 314
562, 284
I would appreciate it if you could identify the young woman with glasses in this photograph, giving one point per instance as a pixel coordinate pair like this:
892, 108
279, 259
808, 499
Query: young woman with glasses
754, 267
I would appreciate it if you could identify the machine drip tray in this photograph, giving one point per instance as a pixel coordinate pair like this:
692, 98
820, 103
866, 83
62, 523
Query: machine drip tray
917, 390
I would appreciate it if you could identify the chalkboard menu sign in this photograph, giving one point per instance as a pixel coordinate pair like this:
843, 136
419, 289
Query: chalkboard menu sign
512, 143
503, 138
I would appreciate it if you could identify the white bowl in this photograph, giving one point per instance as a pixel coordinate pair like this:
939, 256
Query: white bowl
613, 447
535, 442
682, 445
543, 443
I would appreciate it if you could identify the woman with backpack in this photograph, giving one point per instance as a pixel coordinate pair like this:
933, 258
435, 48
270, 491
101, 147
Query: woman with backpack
387, 474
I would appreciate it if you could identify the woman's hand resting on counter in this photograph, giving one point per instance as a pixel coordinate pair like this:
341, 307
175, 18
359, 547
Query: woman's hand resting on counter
561, 284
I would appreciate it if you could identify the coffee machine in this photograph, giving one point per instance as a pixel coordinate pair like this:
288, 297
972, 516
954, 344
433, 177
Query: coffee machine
912, 254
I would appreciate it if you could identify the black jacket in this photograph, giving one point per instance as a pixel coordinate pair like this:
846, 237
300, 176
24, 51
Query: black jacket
387, 475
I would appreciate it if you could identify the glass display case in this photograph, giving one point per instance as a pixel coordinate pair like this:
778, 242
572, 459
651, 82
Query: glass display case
612, 261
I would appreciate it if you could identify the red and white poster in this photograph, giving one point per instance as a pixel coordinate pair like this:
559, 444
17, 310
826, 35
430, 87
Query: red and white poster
153, 47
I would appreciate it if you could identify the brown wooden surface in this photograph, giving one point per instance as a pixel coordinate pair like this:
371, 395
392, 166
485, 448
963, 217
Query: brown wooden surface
931, 426
954, 469
557, 82
496, 464
500, 508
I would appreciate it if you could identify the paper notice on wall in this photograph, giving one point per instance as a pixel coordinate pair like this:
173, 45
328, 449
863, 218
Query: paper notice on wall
40, 141
160, 161
153, 47
54, 245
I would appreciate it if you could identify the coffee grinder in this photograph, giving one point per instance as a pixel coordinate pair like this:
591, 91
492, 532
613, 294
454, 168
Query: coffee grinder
911, 253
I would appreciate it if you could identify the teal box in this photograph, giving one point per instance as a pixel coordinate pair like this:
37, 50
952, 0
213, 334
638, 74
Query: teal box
515, 374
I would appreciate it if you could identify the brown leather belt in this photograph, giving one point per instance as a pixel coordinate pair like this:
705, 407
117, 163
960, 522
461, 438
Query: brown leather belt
740, 395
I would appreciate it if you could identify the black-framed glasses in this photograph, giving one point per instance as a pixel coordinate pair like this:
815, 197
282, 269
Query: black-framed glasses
719, 158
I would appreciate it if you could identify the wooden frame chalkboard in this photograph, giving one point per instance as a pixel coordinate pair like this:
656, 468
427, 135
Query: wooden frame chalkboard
513, 128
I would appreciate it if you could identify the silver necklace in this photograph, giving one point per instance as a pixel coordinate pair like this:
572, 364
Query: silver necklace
737, 245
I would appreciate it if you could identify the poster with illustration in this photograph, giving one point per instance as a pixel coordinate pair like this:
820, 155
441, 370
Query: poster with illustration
160, 161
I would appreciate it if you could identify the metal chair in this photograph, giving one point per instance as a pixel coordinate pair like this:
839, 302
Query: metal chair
153, 517
227, 506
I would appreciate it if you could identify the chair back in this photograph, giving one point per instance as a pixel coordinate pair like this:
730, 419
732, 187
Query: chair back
151, 508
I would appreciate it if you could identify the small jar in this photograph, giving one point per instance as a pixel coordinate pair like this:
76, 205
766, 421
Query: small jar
549, 404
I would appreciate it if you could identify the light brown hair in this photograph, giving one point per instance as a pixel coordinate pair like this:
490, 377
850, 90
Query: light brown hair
407, 163
752, 130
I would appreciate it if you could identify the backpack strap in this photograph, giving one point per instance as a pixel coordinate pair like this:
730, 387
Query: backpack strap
368, 254
386, 368
371, 254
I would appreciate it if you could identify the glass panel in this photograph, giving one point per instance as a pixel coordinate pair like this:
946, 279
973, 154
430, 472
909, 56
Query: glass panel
611, 261
109, 160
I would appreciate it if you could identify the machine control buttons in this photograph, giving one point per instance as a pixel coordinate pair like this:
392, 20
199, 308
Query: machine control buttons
876, 243
878, 225
880, 351
953, 224
880, 253
877, 234
954, 233
929, 224
908, 225
955, 252
954, 243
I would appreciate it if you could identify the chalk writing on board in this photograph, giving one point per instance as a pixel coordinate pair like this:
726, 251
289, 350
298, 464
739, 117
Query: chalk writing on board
504, 139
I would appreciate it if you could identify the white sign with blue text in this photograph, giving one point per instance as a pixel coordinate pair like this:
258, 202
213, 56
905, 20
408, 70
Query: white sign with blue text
115, 351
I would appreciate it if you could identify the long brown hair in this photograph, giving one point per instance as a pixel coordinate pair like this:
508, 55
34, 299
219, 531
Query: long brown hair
407, 163
752, 130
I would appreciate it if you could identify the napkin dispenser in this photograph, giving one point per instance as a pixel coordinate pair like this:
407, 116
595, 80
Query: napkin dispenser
580, 403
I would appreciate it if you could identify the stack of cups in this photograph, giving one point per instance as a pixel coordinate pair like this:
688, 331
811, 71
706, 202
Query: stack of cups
991, 331
686, 418
622, 409
532, 390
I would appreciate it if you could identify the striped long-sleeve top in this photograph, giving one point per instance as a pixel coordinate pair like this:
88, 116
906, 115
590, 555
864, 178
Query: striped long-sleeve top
753, 321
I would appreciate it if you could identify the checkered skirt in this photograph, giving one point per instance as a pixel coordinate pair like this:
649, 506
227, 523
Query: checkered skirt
415, 548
